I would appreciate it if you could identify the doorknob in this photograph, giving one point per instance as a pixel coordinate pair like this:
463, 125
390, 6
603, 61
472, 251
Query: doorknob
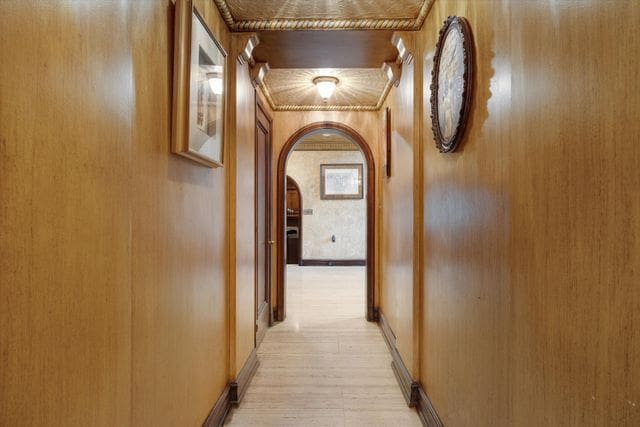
271, 242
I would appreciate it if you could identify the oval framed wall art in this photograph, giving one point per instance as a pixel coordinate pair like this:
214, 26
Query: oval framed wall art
451, 83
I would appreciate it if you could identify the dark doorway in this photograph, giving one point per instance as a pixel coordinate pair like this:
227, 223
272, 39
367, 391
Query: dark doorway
294, 222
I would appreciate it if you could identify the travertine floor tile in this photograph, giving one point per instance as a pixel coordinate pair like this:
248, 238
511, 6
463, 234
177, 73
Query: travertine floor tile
325, 365
287, 417
381, 418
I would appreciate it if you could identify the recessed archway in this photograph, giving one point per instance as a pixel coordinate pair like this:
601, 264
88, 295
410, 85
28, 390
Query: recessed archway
354, 136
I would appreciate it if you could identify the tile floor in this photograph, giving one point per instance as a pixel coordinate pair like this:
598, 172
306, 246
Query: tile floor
325, 365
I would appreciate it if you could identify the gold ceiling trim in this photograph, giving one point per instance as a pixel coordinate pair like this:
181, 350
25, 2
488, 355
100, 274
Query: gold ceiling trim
323, 24
325, 146
277, 107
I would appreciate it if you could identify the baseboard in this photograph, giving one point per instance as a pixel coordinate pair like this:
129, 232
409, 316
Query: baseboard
333, 262
412, 391
407, 385
426, 411
372, 314
220, 410
239, 387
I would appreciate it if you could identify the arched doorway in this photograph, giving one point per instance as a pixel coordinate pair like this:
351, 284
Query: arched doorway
370, 311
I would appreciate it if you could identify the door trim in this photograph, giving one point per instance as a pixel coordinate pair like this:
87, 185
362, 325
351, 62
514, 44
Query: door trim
281, 185
293, 181
261, 109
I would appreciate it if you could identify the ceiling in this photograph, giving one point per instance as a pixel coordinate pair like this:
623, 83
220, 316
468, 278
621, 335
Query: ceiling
358, 88
326, 141
295, 43
325, 49
252, 15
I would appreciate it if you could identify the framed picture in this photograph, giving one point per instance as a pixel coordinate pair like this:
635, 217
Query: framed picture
451, 83
198, 89
341, 181
387, 161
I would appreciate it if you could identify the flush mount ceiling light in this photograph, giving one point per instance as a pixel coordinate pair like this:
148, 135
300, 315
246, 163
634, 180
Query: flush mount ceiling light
325, 85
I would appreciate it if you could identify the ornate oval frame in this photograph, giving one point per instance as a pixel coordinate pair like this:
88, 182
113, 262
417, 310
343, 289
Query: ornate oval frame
444, 145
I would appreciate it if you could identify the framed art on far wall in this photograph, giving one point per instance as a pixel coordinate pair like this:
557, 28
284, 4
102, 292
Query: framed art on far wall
198, 89
341, 181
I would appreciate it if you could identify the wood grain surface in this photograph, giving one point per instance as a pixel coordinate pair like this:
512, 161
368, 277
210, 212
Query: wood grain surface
113, 255
531, 307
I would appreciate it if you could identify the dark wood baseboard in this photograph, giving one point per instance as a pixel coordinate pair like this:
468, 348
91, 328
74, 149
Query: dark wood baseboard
239, 387
407, 385
426, 411
412, 391
220, 410
373, 314
333, 262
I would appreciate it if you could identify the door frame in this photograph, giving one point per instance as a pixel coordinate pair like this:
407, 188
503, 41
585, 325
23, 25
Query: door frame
260, 108
293, 181
281, 185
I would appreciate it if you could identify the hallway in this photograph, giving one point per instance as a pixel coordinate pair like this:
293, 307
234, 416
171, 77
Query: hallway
149, 157
324, 365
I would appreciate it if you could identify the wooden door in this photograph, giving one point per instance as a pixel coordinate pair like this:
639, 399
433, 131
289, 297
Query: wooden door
264, 244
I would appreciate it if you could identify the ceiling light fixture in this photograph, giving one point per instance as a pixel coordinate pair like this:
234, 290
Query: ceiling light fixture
326, 85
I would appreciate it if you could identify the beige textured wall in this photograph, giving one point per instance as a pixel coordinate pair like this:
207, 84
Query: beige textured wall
346, 219
113, 254
531, 306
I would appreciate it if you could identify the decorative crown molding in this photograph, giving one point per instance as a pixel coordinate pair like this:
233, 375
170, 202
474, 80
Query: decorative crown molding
246, 52
393, 71
258, 71
326, 146
280, 24
401, 42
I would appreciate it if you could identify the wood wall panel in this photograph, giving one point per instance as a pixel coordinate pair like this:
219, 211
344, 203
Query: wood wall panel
180, 314
397, 228
244, 223
114, 252
66, 106
531, 308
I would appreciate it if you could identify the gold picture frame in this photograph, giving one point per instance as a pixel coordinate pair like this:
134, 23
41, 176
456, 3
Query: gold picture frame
199, 89
341, 181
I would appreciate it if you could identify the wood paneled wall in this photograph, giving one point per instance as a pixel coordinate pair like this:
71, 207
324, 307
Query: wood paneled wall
180, 340
398, 243
66, 120
242, 153
113, 255
531, 305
